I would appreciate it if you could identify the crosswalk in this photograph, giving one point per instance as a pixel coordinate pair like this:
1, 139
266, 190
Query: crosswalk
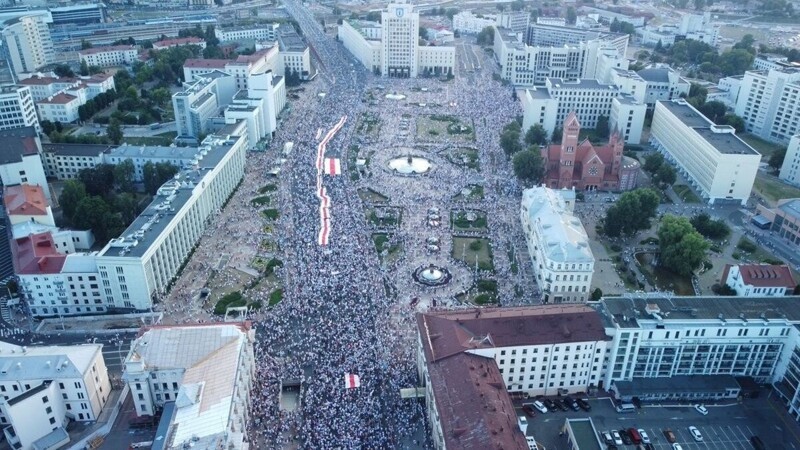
4, 311
8, 332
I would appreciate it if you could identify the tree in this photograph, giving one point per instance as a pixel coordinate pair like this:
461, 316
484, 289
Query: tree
631, 213
85, 44
114, 131
746, 43
735, 61
555, 138
154, 175
84, 68
653, 162
98, 180
776, 160
712, 229
529, 165
664, 176
601, 129
683, 249
126, 206
47, 126
123, 176
698, 93
714, 110
509, 141
572, 16
597, 294
535, 135
63, 71
73, 192
735, 121
93, 213
486, 36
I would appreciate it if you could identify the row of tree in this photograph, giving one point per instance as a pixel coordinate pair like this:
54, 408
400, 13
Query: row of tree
661, 173
705, 57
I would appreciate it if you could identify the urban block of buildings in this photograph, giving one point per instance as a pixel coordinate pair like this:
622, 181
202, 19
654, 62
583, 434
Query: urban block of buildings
769, 102
563, 263
44, 388
576, 164
199, 377
58, 99
791, 163
109, 56
391, 48
179, 42
697, 27
783, 219
645, 345
267, 32
716, 162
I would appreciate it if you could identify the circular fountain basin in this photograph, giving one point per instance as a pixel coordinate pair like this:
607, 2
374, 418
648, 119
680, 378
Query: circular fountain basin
432, 275
413, 165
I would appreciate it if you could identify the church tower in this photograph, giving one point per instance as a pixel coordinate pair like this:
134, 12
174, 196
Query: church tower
569, 145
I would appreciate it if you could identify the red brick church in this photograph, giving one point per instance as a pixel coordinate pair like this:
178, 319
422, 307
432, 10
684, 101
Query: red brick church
586, 167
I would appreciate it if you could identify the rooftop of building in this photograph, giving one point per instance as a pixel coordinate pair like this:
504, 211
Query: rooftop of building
475, 410
36, 254
721, 137
30, 393
626, 312
178, 41
447, 333
655, 74
255, 57
564, 238
581, 83
52, 439
26, 200
61, 98
93, 150
107, 48
80, 7
685, 384
16, 143
206, 63
260, 26
136, 240
289, 40
154, 151
584, 433
790, 207
763, 275
49, 362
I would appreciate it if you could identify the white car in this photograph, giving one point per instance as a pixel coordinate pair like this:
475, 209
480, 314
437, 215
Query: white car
677, 447
645, 437
617, 437
540, 406
701, 409
696, 434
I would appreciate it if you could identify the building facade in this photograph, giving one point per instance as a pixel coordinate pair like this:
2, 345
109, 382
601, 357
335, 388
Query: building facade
200, 100
716, 161
17, 108
186, 366
791, 163
759, 280
467, 22
28, 43
575, 164
268, 32
113, 55
399, 41
768, 103
563, 263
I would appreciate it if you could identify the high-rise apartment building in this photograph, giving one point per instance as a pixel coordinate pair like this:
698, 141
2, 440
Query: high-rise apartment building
27, 43
769, 103
17, 108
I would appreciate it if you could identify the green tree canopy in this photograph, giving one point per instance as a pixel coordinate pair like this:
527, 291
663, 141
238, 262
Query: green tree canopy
156, 174
712, 229
98, 180
486, 36
683, 249
529, 165
124, 176
664, 176
114, 131
631, 213
536, 135
776, 160
73, 192
93, 213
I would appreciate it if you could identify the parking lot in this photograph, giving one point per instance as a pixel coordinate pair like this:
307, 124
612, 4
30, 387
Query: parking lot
726, 427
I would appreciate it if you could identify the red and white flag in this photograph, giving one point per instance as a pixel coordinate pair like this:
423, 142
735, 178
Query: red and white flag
351, 381
332, 166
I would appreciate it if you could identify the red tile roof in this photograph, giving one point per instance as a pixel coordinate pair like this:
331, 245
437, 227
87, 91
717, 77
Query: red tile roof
108, 48
763, 275
39, 81
36, 254
25, 199
206, 63
59, 99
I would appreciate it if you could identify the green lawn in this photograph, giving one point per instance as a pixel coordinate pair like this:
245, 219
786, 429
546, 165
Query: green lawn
164, 139
463, 250
773, 189
685, 193
765, 148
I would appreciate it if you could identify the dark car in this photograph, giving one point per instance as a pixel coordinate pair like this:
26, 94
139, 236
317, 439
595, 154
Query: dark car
566, 402
626, 439
528, 409
572, 403
583, 404
551, 405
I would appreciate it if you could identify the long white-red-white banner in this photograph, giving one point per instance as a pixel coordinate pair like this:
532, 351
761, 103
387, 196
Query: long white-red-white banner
330, 166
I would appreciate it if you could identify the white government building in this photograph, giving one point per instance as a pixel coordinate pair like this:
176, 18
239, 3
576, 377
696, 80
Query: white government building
791, 163
200, 377
43, 388
392, 48
717, 163
17, 107
563, 263
109, 56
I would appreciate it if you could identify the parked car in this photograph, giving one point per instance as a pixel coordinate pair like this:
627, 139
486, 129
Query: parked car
696, 434
626, 438
669, 435
527, 408
617, 437
572, 403
583, 404
677, 447
645, 437
635, 436
607, 437
701, 409
540, 406
551, 405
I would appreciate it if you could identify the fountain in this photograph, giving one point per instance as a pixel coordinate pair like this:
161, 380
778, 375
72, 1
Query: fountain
432, 275
410, 165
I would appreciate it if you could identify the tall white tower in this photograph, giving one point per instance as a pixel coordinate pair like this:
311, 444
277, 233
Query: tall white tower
399, 41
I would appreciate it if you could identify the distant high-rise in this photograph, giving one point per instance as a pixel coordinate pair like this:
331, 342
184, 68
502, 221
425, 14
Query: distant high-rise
28, 43
399, 44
